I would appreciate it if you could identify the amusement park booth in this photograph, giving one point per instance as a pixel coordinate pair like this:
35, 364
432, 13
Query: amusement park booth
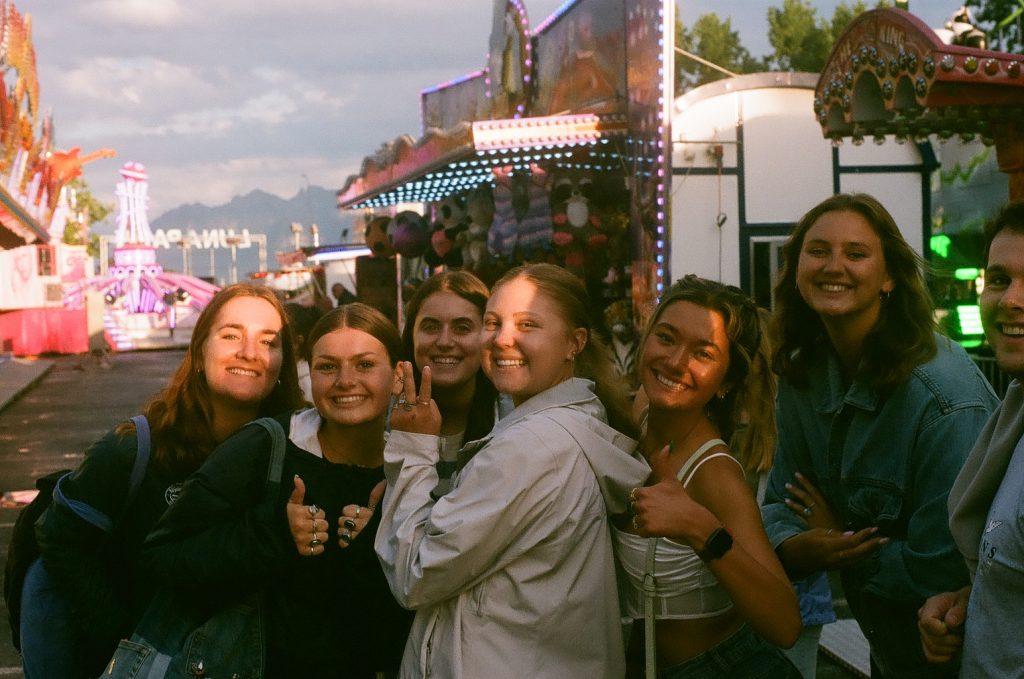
556, 151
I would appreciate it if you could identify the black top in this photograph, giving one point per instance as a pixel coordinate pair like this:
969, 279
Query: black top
98, 573
330, 615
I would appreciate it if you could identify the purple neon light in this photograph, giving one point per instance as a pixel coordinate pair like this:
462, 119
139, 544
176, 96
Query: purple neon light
453, 83
555, 16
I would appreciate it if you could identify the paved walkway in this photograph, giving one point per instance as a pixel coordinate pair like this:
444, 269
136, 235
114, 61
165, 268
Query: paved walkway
18, 374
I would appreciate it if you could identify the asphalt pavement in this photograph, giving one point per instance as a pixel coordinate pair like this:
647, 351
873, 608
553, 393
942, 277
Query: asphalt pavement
50, 424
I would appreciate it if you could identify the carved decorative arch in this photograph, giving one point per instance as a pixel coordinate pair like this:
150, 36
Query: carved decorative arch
891, 74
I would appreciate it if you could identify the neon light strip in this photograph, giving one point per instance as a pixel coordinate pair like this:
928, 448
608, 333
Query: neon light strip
453, 83
555, 16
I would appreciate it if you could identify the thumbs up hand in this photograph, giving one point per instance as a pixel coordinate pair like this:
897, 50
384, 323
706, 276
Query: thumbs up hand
354, 518
308, 523
665, 509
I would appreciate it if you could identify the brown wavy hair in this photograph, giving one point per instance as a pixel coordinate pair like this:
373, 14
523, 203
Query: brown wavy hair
902, 338
358, 316
480, 419
750, 397
181, 417
594, 362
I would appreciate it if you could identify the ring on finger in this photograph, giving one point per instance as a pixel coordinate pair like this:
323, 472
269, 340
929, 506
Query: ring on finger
358, 511
314, 543
349, 523
346, 536
313, 509
807, 511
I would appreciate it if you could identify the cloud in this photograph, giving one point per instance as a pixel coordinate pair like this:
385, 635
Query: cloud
146, 13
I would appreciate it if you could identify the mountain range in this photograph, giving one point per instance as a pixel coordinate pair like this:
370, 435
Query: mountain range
261, 213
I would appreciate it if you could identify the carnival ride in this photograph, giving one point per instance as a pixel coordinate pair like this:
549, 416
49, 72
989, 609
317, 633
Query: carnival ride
146, 307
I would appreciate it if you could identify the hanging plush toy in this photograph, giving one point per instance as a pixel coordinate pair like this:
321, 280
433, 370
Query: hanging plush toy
618, 319
376, 237
480, 207
407, 234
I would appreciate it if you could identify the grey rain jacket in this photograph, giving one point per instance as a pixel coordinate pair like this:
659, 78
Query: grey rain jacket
512, 572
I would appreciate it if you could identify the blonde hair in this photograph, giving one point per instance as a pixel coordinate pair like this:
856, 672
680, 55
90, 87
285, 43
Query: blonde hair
594, 361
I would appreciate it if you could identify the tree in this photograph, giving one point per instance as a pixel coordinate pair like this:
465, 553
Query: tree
801, 40
711, 38
843, 16
1003, 20
87, 210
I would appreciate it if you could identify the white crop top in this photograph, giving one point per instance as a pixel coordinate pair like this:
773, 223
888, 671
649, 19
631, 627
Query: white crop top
684, 587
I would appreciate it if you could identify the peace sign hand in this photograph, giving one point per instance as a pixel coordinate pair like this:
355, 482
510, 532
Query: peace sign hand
412, 412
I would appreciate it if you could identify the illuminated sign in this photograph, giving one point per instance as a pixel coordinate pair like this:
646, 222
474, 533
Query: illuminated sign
201, 240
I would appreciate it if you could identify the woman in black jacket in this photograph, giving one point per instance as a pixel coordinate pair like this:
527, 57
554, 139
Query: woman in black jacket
239, 366
332, 616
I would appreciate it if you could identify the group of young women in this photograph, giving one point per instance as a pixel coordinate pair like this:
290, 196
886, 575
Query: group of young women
467, 499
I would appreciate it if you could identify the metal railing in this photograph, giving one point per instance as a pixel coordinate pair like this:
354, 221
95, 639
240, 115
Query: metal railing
996, 377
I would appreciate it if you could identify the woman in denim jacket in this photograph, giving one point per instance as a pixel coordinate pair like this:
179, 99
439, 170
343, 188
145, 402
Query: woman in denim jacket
876, 414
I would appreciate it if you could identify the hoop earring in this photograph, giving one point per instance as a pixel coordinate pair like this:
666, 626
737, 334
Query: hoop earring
885, 295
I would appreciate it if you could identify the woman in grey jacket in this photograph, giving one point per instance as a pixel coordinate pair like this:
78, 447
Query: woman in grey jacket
512, 573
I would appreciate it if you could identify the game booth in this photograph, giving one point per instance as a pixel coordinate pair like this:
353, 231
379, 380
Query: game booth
557, 150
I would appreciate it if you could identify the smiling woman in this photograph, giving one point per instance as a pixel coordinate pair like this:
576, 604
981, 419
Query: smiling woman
511, 571
239, 366
876, 414
217, 542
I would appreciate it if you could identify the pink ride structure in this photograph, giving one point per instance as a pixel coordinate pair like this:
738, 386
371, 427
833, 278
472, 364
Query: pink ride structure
146, 307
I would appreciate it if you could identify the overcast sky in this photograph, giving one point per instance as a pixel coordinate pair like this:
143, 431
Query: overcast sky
221, 97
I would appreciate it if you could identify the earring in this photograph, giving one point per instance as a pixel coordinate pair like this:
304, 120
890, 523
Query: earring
884, 295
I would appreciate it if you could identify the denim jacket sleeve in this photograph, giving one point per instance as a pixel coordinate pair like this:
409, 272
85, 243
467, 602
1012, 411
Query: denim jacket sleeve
927, 561
791, 456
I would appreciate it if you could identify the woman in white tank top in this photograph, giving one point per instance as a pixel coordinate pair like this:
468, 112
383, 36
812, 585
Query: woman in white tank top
694, 560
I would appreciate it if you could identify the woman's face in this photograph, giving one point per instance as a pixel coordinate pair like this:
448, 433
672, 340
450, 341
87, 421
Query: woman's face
685, 357
527, 346
351, 377
242, 355
447, 338
841, 269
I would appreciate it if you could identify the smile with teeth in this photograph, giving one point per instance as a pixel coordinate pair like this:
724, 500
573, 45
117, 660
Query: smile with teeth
243, 371
667, 382
833, 287
510, 363
445, 360
1012, 329
347, 400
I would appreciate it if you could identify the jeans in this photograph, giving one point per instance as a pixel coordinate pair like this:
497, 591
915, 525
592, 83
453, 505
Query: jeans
47, 640
744, 655
804, 654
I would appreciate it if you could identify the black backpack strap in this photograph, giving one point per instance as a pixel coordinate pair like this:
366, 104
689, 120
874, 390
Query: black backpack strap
143, 447
277, 450
90, 514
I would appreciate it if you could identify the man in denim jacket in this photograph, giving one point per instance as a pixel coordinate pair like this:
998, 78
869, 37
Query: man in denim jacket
986, 503
885, 463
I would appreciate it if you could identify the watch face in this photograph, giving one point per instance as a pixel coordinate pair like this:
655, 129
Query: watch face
719, 542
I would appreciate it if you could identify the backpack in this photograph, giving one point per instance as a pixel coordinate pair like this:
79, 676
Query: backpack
24, 550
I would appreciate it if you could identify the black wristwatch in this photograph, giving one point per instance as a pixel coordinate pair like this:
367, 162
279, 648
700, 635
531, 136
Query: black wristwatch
716, 546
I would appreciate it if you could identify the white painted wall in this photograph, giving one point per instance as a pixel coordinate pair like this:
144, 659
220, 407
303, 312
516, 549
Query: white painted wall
788, 170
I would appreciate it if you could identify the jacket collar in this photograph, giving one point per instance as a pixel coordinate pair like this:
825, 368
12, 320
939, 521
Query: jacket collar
573, 391
827, 381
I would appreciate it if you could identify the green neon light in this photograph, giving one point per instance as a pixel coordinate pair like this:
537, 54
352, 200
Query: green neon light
967, 274
939, 244
969, 316
970, 344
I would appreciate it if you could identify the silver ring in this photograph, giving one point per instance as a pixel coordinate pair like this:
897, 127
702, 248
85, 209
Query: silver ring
423, 403
358, 511
314, 543
635, 526
807, 511
313, 509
